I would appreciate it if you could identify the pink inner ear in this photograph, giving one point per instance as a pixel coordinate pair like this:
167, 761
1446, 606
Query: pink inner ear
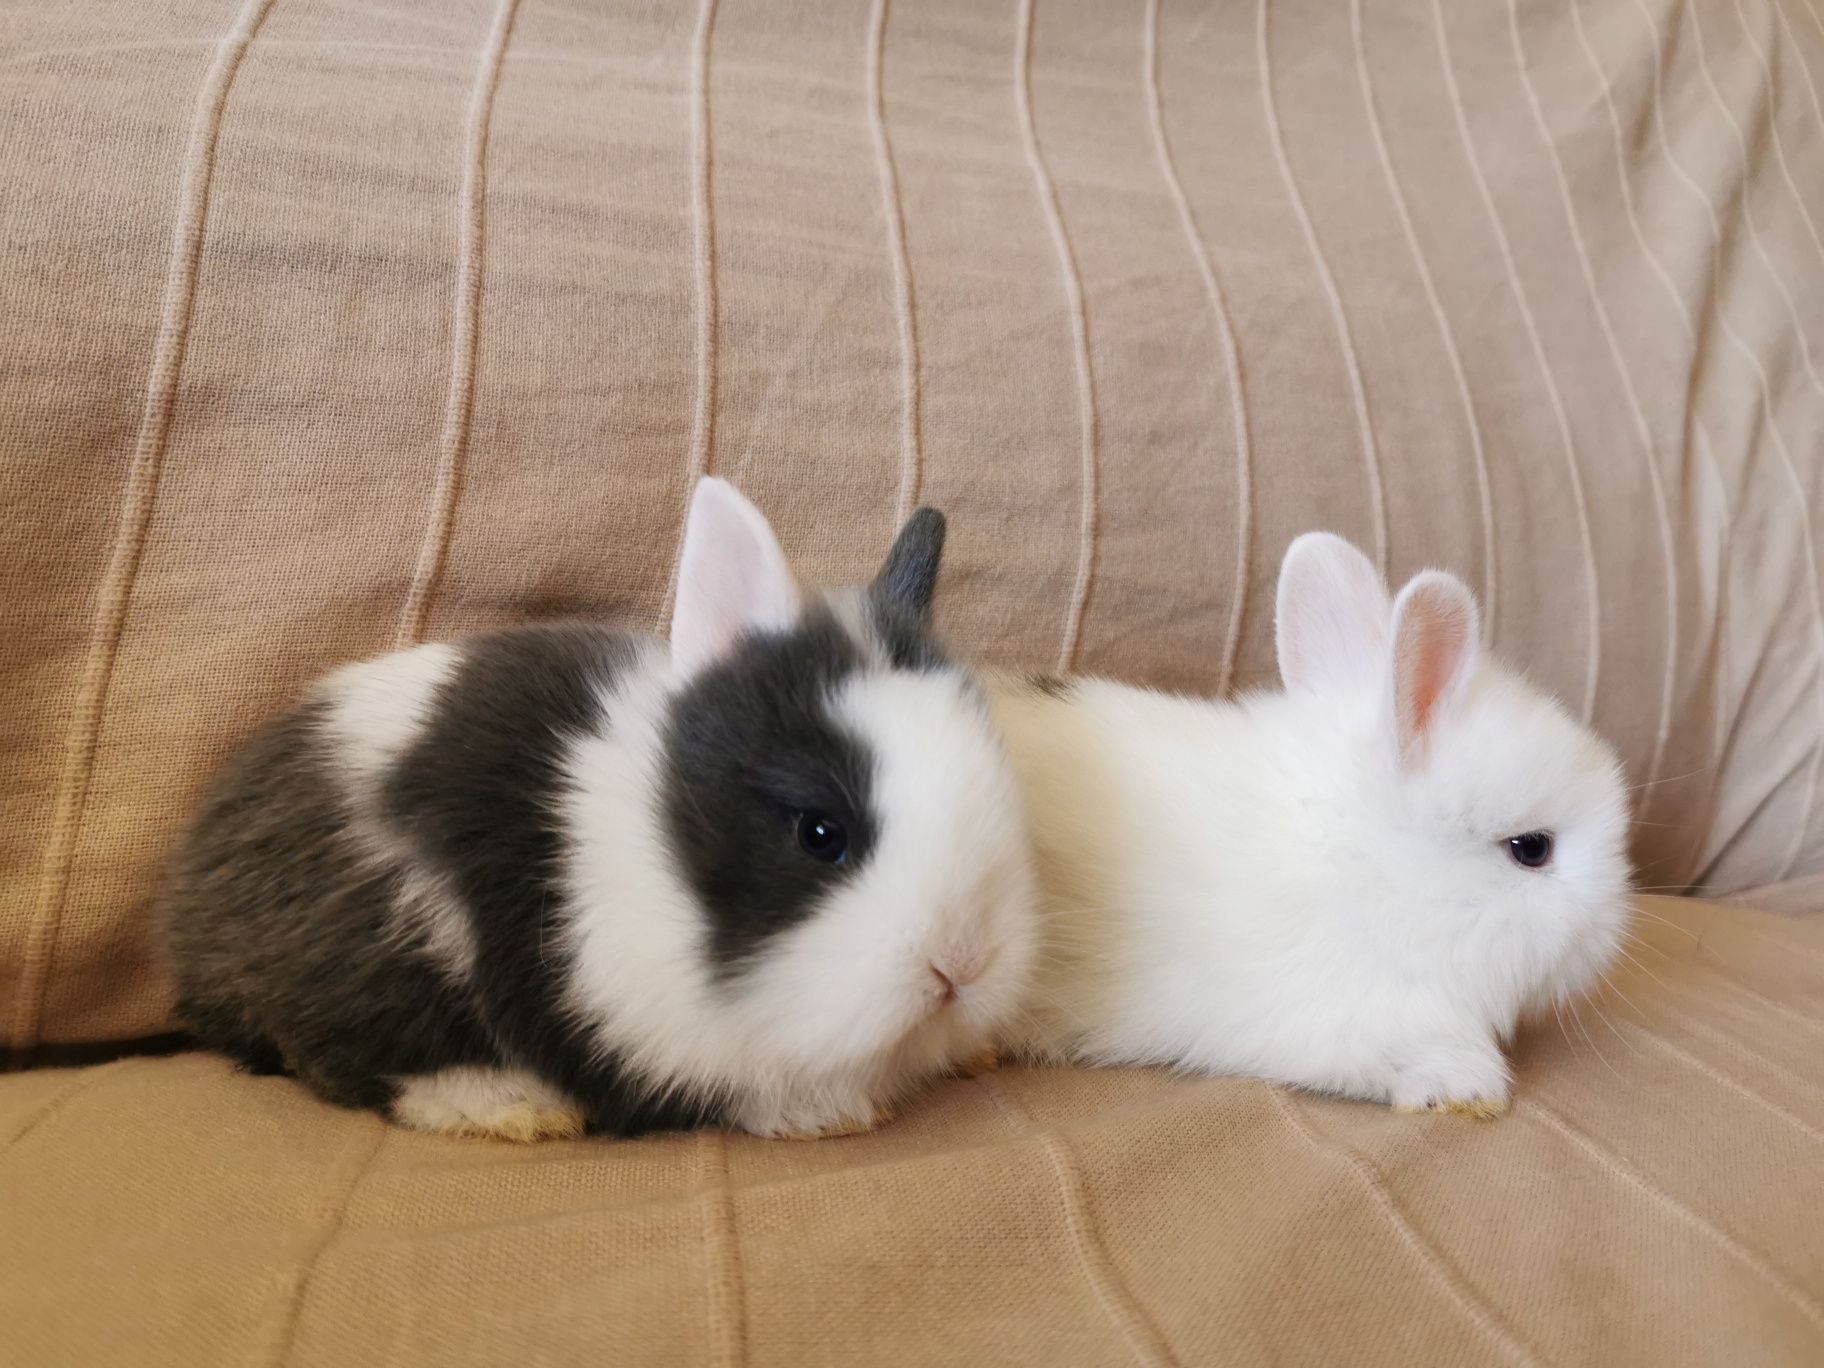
1429, 673
1434, 649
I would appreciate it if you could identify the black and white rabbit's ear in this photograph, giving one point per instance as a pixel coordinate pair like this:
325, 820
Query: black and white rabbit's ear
1332, 617
908, 578
733, 579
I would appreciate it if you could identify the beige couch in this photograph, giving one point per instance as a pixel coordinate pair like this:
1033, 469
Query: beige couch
337, 323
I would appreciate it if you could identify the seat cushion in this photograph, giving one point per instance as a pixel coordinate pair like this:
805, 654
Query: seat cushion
1653, 1198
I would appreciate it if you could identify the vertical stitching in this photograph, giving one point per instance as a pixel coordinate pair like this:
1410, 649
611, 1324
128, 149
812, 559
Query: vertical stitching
340, 1194
1769, 788
1732, 1044
722, 1254
1798, 57
1669, 571
1631, 1177
1774, 1005
1484, 486
1728, 1041
1754, 233
1812, 11
1484, 1317
1358, 391
1231, 349
1087, 529
1143, 1338
893, 209
85, 1079
1705, 447
1722, 721
1773, 123
703, 232
1593, 597
1723, 1080
1817, 109
116, 589
1800, 829
1117, 1302
465, 331
1761, 933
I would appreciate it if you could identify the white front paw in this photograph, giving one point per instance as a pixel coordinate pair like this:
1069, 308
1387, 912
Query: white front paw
1468, 1079
823, 1120
491, 1102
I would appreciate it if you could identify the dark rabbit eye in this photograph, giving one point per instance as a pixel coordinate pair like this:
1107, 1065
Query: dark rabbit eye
821, 838
1533, 850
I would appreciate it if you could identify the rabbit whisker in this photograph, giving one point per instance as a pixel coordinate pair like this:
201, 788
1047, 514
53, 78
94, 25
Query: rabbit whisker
1558, 1011
1577, 1016
1668, 779
1609, 985
1622, 951
1645, 915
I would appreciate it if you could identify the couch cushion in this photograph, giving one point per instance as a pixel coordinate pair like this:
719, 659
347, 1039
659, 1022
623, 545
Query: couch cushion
1653, 1199
333, 324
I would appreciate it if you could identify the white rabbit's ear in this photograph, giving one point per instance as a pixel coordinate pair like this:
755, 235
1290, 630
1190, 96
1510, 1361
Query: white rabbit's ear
1435, 652
732, 578
1331, 618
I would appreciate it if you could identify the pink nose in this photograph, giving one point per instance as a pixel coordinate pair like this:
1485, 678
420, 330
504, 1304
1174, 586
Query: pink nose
945, 984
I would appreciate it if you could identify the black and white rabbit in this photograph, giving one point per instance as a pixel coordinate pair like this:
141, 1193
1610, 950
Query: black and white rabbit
1357, 884
770, 875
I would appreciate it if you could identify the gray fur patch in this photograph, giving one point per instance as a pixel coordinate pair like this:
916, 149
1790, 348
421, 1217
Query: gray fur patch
280, 923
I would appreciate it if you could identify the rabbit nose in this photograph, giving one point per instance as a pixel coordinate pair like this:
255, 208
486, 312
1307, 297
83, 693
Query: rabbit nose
946, 985
958, 965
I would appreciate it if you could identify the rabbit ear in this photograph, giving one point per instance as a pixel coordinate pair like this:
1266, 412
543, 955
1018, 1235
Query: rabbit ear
1435, 652
909, 576
1331, 618
732, 578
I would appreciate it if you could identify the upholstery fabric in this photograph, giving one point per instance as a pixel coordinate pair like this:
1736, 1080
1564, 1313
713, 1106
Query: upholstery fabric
1653, 1200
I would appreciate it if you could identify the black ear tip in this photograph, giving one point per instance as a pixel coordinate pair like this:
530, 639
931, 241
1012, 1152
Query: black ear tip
922, 535
909, 576
926, 524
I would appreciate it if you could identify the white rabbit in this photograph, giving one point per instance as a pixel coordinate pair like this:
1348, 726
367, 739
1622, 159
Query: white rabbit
1356, 885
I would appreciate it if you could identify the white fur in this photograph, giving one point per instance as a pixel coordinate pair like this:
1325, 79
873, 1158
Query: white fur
377, 709
850, 609
1275, 887
505, 1104
732, 578
841, 1014
1330, 619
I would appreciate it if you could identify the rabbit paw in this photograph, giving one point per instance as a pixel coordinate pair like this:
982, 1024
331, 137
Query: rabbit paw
799, 1125
528, 1123
837, 1129
1466, 1081
981, 1062
487, 1103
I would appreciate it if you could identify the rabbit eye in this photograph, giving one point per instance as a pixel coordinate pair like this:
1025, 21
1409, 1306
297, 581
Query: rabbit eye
1533, 850
822, 838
